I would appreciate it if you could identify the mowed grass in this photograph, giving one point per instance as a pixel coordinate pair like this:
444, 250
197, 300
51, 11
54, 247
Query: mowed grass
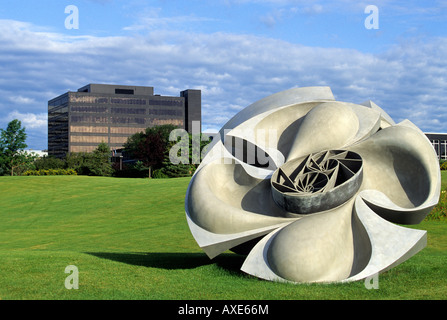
129, 240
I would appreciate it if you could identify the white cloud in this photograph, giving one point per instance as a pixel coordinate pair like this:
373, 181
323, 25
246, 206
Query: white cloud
152, 18
233, 71
29, 120
21, 100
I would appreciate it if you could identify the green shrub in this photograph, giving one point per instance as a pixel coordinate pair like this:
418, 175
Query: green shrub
50, 172
46, 163
444, 165
90, 164
439, 212
158, 174
135, 170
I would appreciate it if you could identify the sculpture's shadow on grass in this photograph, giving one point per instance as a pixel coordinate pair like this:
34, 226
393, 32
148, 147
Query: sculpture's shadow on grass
174, 260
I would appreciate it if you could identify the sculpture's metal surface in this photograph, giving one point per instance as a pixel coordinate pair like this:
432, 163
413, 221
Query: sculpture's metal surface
320, 182
311, 189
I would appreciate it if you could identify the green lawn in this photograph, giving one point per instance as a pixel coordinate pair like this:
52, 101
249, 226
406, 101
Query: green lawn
129, 240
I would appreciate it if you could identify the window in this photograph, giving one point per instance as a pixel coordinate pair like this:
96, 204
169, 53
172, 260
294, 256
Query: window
89, 129
166, 112
88, 119
88, 109
127, 120
82, 148
166, 102
128, 101
128, 110
126, 130
88, 99
88, 139
443, 151
124, 91
160, 122
120, 140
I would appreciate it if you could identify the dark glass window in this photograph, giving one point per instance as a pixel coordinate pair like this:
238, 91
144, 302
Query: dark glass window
128, 110
166, 102
88, 109
127, 120
128, 101
166, 112
88, 119
124, 91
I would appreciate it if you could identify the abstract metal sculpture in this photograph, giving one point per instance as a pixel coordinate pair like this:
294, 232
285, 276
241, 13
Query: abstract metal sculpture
319, 200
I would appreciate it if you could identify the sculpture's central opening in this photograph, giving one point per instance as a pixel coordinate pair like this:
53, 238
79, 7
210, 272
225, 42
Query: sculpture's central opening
317, 182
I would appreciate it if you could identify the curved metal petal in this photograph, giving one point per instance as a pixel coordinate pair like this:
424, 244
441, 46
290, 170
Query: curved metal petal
390, 244
316, 248
401, 173
386, 120
333, 125
224, 199
227, 205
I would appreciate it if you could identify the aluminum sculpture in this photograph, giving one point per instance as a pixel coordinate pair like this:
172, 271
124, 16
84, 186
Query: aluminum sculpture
313, 189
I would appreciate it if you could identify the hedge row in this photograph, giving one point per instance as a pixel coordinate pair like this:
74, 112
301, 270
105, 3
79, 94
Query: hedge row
50, 172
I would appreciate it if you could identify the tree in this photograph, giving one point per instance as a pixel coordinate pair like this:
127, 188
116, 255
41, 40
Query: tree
100, 161
12, 143
96, 163
150, 147
49, 162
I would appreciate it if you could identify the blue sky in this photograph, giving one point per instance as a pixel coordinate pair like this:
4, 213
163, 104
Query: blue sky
235, 51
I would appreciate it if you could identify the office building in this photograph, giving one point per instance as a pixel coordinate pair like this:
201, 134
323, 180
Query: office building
79, 121
439, 143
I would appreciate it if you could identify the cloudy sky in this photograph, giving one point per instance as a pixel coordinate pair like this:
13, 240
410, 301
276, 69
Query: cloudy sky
235, 51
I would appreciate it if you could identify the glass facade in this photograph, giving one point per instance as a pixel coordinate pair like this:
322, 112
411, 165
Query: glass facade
58, 126
79, 121
440, 147
439, 143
